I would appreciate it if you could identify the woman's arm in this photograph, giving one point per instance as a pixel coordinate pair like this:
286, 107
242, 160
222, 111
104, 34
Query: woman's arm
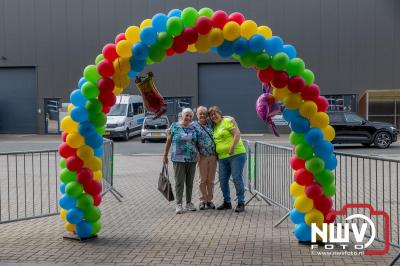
236, 137
167, 146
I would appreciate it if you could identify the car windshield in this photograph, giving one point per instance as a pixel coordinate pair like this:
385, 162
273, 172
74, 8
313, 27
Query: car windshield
118, 110
158, 121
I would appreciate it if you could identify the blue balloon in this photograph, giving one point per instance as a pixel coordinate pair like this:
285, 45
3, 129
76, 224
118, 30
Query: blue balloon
99, 151
132, 74
83, 229
77, 98
296, 216
289, 50
137, 65
324, 149
314, 136
331, 162
240, 46
140, 51
159, 22
74, 216
290, 115
225, 49
257, 43
67, 202
302, 232
300, 125
62, 187
214, 49
94, 140
175, 13
79, 114
148, 35
81, 82
274, 45
86, 128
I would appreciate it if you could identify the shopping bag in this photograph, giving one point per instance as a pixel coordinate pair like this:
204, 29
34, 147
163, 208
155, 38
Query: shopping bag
164, 186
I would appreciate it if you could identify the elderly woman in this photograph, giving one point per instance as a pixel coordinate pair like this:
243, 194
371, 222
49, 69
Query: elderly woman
183, 138
232, 157
207, 161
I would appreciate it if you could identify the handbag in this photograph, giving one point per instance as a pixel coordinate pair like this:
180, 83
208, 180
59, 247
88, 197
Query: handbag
164, 186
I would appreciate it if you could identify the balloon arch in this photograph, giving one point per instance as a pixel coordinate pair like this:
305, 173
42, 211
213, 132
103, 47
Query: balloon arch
201, 31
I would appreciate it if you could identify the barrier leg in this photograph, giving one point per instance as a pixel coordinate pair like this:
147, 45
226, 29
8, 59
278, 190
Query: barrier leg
113, 191
282, 219
394, 260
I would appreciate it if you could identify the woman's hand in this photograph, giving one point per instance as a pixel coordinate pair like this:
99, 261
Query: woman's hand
198, 157
231, 149
165, 159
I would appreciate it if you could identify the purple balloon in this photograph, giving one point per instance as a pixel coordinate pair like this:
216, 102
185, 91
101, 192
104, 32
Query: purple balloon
266, 108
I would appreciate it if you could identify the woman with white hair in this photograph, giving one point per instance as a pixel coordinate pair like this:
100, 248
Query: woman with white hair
183, 138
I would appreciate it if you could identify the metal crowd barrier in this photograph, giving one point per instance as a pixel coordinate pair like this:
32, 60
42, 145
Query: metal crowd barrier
29, 183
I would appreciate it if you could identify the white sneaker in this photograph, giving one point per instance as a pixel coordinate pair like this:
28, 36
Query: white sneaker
179, 209
190, 207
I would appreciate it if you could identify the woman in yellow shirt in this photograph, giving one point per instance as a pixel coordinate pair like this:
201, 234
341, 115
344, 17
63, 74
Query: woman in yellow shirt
231, 155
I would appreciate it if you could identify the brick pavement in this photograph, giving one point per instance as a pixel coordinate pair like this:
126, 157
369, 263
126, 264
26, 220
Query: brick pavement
144, 230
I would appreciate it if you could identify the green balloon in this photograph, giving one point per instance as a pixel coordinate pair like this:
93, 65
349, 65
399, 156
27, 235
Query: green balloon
73, 189
96, 227
263, 61
149, 61
304, 151
62, 163
308, 76
206, 12
325, 178
90, 90
84, 201
90, 73
174, 26
92, 214
67, 176
329, 190
248, 60
101, 130
189, 16
315, 165
93, 106
280, 61
295, 67
99, 58
98, 119
156, 53
296, 138
165, 40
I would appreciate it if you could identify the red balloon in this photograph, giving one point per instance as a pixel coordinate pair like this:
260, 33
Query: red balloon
107, 98
105, 68
322, 104
109, 52
97, 199
170, 52
219, 19
105, 85
331, 219
179, 46
64, 136
266, 75
93, 187
74, 163
323, 204
84, 176
237, 17
280, 79
120, 37
297, 163
296, 84
303, 177
106, 109
310, 92
203, 25
314, 191
66, 151
190, 35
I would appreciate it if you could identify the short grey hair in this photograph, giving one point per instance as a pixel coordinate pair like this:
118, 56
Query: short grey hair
187, 110
201, 108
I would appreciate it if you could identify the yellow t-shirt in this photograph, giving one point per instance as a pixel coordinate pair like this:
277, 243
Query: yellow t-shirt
223, 139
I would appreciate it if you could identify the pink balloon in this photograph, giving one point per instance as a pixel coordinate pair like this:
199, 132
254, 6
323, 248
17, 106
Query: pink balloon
237, 17
266, 108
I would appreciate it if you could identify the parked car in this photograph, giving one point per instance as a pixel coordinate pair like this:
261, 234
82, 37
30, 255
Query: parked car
352, 128
154, 129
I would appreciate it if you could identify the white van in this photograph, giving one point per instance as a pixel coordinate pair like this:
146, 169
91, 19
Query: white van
126, 117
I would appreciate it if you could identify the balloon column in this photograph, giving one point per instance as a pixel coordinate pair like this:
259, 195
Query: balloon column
204, 30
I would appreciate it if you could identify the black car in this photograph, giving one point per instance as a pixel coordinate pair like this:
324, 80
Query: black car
352, 128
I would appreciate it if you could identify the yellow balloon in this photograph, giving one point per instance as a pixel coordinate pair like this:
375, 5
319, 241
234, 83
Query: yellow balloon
85, 152
329, 133
122, 66
280, 93
98, 175
132, 34
93, 163
121, 80
308, 109
145, 23
303, 204
265, 31
192, 48
215, 37
314, 216
63, 214
248, 29
70, 107
202, 45
296, 190
68, 125
292, 101
75, 140
117, 91
231, 31
124, 48
320, 120
69, 227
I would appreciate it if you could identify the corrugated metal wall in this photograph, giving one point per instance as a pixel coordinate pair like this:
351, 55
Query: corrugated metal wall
351, 45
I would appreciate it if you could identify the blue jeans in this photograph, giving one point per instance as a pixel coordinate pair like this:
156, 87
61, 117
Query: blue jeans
232, 166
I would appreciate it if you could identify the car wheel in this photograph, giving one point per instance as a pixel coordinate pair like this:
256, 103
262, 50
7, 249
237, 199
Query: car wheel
366, 144
382, 140
143, 140
126, 136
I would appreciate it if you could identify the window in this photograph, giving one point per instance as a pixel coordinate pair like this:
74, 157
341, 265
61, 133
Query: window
336, 117
158, 121
137, 108
118, 110
353, 118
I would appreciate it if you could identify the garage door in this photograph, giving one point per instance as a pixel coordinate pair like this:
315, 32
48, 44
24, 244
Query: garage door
235, 90
18, 112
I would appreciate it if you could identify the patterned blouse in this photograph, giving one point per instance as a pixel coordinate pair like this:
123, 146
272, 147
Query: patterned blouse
183, 143
204, 139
